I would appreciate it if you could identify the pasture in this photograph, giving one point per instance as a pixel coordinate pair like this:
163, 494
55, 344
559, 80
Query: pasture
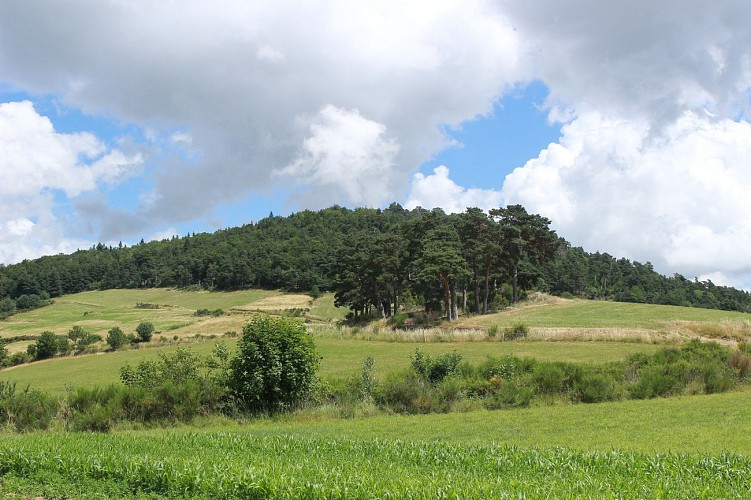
684, 446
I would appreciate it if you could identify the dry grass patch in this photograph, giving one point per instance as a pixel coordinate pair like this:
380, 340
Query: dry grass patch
601, 335
735, 331
278, 303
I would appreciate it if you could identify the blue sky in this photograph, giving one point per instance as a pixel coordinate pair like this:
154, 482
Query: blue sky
624, 123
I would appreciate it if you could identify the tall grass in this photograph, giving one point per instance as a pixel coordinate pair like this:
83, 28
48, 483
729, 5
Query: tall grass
241, 465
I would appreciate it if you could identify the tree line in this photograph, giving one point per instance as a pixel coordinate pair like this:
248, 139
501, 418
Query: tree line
375, 261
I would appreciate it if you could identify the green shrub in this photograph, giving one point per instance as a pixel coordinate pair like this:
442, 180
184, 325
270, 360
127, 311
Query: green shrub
514, 394
25, 410
435, 369
595, 387
517, 331
275, 365
144, 330
116, 339
44, 347
493, 331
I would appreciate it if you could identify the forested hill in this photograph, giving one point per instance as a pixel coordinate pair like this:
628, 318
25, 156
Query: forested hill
374, 260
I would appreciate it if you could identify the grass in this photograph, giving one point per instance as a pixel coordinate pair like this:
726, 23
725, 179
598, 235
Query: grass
172, 313
555, 319
340, 358
603, 450
702, 424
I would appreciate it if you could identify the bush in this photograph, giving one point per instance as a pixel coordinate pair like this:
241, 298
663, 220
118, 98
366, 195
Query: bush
116, 339
515, 394
275, 365
144, 330
436, 369
25, 410
45, 347
518, 331
595, 387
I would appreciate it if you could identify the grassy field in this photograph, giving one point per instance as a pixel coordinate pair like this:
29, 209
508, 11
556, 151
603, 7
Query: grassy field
687, 447
671, 448
173, 311
340, 358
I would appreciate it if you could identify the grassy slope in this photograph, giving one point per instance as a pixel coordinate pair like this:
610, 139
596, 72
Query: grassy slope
601, 314
691, 424
340, 358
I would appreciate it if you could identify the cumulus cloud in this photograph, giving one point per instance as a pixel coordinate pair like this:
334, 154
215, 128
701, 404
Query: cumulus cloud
639, 59
349, 153
36, 163
438, 190
236, 77
680, 201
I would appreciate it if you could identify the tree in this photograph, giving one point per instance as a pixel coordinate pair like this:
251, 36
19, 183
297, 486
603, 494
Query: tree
441, 259
145, 331
116, 339
275, 365
46, 345
527, 238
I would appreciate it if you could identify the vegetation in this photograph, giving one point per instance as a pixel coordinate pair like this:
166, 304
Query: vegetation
377, 262
275, 365
234, 465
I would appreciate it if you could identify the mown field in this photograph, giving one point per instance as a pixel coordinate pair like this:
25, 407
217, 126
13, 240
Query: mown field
681, 447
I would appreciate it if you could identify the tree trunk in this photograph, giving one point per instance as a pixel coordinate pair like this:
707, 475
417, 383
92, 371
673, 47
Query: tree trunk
487, 291
464, 299
477, 295
396, 300
454, 313
514, 285
446, 298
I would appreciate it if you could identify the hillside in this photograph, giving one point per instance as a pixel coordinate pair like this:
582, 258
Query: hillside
621, 329
373, 260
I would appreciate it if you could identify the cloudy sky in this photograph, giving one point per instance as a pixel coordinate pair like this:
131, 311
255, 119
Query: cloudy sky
626, 123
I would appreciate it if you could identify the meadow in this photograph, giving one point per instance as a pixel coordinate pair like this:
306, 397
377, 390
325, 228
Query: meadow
687, 446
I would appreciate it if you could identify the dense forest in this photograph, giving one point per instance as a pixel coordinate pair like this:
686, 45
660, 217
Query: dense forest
376, 261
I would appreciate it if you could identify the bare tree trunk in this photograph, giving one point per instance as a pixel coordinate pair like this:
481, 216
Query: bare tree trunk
514, 283
454, 313
487, 291
446, 299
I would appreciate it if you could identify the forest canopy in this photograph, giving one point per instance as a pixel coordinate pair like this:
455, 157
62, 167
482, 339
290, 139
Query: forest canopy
375, 261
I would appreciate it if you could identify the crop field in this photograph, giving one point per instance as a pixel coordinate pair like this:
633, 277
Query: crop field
244, 465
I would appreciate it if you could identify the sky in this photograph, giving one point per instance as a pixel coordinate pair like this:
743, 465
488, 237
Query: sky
625, 123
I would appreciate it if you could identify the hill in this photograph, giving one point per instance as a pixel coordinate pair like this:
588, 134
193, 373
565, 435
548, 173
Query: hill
374, 261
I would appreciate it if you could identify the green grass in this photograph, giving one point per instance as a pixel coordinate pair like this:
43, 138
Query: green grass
699, 424
256, 465
340, 358
601, 314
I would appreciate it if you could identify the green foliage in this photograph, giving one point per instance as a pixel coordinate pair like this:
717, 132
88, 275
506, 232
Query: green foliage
250, 465
116, 339
81, 338
25, 410
275, 365
435, 369
517, 331
145, 330
46, 346
205, 312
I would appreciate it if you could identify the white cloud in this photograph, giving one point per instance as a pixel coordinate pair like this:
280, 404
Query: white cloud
438, 190
348, 153
679, 200
639, 59
36, 161
237, 76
